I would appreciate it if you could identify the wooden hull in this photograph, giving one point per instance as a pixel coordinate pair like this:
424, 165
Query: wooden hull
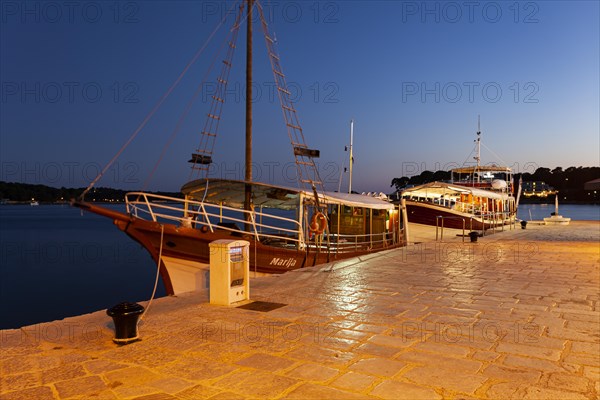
186, 254
427, 214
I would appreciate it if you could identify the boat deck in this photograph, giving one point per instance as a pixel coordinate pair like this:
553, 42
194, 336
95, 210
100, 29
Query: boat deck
515, 315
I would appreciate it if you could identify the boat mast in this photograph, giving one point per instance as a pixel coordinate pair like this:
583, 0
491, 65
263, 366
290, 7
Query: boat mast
351, 155
248, 176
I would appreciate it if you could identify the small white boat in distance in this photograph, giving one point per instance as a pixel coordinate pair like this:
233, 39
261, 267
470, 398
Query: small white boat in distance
555, 218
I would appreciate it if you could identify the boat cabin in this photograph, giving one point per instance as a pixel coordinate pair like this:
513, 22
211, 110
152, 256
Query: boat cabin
464, 199
488, 177
279, 215
350, 220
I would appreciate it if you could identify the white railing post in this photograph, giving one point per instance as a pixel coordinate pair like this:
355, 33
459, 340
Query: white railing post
253, 220
149, 207
206, 217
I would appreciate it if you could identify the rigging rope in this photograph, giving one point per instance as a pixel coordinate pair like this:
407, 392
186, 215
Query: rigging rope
469, 156
308, 173
209, 132
495, 155
156, 107
183, 116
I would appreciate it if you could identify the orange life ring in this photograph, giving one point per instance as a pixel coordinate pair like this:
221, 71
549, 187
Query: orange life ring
318, 223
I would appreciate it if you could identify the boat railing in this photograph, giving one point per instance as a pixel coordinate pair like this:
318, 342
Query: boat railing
440, 226
197, 214
500, 219
493, 219
496, 219
351, 243
265, 227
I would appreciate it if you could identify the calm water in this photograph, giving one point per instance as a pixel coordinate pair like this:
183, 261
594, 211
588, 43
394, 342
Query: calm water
55, 263
577, 212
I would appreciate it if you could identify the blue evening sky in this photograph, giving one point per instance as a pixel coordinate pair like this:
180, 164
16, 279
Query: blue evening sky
78, 78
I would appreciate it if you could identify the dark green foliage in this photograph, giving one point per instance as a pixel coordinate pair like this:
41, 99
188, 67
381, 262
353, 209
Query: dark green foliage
568, 182
423, 177
23, 192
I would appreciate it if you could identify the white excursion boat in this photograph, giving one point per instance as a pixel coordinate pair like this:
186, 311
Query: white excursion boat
287, 228
477, 198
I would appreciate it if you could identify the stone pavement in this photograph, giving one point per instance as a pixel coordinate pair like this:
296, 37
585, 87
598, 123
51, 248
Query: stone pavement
515, 315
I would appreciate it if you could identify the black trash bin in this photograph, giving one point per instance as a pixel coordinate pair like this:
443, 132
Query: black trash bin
125, 316
523, 224
473, 236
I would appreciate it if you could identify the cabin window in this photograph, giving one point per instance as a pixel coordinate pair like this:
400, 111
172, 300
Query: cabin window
351, 221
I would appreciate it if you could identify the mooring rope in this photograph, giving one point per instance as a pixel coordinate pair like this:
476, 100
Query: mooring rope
162, 232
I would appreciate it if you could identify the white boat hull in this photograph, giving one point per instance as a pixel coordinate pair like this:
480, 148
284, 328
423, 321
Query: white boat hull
186, 275
557, 220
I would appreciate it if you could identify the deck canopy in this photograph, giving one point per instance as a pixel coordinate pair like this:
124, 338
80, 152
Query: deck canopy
232, 193
481, 168
439, 189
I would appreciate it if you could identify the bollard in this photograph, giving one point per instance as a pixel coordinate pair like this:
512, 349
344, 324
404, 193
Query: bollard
125, 316
473, 236
523, 224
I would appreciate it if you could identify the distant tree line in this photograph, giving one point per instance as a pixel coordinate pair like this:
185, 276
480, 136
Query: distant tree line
568, 182
423, 177
23, 192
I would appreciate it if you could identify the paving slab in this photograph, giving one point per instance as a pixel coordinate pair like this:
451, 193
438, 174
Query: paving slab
514, 316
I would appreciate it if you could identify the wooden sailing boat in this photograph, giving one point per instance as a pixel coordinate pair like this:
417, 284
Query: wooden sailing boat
287, 228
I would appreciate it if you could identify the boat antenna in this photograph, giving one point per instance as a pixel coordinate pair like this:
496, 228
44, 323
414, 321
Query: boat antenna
342, 171
478, 141
351, 155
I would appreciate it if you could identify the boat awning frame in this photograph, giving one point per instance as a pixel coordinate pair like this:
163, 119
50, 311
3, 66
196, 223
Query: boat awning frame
447, 188
232, 193
481, 168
